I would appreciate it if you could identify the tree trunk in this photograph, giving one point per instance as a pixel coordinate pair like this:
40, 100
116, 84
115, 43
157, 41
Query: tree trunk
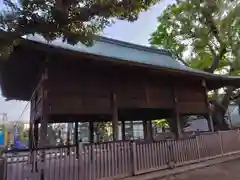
219, 110
219, 121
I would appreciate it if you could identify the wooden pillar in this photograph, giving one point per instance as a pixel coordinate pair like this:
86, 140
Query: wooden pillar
148, 123
148, 130
145, 132
114, 116
45, 112
76, 133
36, 134
210, 123
31, 145
209, 120
123, 131
76, 138
43, 142
176, 111
179, 128
45, 107
43, 132
132, 130
44, 118
68, 138
30, 135
68, 134
91, 132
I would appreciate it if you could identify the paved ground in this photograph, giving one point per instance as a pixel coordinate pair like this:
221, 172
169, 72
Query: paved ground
224, 171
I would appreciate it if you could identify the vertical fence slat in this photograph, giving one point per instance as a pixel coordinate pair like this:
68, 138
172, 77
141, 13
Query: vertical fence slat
118, 159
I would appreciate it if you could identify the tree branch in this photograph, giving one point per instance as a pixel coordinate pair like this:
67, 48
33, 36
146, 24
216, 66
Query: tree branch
228, 93
211, 49
209, 22
98, 9
216, 60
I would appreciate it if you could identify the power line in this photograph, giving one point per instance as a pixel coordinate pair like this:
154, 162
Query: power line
24, 109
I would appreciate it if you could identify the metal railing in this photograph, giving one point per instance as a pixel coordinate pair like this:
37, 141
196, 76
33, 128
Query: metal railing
119, 159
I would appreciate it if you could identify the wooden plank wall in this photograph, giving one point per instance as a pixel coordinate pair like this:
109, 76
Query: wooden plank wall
141, 91
159, 92
191, 98
90, 94
87, 90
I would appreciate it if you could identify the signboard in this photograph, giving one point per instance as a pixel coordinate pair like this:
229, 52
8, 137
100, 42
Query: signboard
2, 140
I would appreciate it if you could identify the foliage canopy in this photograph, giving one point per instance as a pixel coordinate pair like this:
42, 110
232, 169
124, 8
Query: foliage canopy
72, 20
208, 31
206, 34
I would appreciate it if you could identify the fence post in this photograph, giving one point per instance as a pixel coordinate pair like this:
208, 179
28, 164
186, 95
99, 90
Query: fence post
171, 157
42, 174
133, 151
198, 148
220, 142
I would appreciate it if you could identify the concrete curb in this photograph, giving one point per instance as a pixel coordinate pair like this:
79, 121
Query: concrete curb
157, 175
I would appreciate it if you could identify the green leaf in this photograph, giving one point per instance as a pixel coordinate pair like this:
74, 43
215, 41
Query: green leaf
72, 20
161, 123
184, 28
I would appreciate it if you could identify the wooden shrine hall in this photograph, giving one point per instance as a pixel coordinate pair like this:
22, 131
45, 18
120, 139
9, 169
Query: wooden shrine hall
109, 81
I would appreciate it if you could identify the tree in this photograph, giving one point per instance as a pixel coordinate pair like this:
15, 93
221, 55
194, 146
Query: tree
209, 30
72, 20
101, 129
161, 123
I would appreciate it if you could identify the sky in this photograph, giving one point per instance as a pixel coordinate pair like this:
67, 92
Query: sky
137, 32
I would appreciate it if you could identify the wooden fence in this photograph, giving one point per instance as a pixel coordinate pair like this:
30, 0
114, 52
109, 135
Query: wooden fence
115, 160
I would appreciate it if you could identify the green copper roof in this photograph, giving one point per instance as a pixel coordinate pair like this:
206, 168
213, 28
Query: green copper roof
124, 51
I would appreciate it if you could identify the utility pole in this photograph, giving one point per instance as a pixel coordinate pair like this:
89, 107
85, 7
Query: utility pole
3, 118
